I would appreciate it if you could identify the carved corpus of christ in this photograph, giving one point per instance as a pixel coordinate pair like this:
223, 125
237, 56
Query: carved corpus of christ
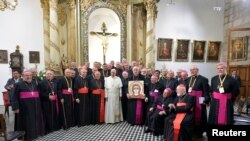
104, 36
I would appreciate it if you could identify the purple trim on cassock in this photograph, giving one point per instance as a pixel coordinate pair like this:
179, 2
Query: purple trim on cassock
138, 114
155, 95
197, 109
222, 114
24, 95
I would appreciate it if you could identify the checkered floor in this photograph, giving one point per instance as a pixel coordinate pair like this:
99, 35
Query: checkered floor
109, 132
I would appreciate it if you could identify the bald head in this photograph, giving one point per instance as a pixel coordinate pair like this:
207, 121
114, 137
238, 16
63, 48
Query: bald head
49, 74
125, 74
136, 71
97, 75
27, 75
154, 79
181, 90
194, 70
67, 72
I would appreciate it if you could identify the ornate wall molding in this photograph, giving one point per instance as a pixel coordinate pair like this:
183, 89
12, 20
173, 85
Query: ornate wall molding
71, 4
61, 15
85, 4
123, 7
84, 28
45, 4
151, 7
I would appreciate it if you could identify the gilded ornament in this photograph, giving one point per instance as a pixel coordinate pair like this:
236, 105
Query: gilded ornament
123, 7
85, 4
61, 15
62, 41
71, 4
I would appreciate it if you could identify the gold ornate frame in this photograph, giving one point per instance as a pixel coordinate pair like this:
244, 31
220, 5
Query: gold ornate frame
195, 55
211, 51
230, 40
84, 49
178, 53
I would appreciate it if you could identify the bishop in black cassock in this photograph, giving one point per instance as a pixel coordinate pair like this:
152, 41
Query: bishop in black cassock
225, 89
49, 100
27, 107
82, 93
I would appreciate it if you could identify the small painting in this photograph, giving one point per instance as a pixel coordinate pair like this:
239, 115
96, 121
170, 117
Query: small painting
239, 48
198, 51
3, 56
136, 89
34, 57
182, 50
213, 51
164, 51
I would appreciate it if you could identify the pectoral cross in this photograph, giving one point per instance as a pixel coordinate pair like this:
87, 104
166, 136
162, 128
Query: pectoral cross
104, 36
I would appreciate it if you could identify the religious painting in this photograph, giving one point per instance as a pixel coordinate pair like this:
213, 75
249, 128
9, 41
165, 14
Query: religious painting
182, 50
34, 57
3, 56
164, 51
136, 89
198, 51
213, 51
239, 48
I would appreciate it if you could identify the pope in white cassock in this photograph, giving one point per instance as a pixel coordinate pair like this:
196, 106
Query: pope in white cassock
113, 94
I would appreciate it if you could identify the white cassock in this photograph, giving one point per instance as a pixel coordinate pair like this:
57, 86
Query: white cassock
113, 91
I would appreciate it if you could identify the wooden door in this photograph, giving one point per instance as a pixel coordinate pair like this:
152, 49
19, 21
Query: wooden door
244, 72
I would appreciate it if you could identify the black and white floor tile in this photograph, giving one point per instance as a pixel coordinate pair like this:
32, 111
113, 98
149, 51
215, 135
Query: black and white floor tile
105, 132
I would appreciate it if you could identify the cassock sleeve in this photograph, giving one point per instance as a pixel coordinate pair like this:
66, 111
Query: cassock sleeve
188, 107
120, 85
205, 88
43, 91
59, 88
15, 97
235, 89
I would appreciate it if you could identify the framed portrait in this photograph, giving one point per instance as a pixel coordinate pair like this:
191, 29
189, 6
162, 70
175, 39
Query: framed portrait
3, 57
182, 50
136, 89
213, 51
198, 51
239, 48
164, 49
34, 57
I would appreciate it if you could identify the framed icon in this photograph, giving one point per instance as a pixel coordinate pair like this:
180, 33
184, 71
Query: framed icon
182, 50
213, 51
136, 89
198, 51
3, 56
164, 49
34, 57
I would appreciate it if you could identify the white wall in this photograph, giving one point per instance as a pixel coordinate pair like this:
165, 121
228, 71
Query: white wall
23, 27
193, 20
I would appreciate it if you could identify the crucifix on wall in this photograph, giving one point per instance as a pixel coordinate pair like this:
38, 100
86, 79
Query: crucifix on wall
104, 36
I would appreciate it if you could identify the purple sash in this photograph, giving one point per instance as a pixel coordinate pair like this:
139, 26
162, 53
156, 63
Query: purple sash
159, 107
222, 114
65, 91
24, 95
138, 115
155, 95
54, 98
197, 108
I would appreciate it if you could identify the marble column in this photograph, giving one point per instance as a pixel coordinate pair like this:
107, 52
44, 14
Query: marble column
46, 32
150, 33
54, 36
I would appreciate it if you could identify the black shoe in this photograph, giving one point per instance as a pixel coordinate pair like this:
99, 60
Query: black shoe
156, 134
147, 130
